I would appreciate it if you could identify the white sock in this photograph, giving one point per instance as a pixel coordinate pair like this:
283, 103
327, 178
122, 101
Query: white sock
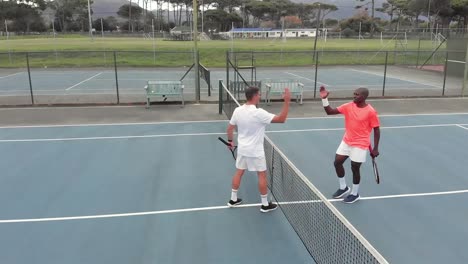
264, 199
355, 189
234, 195
342, 183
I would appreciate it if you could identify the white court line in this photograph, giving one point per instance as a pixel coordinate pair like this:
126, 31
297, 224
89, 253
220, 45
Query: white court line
203, 134
456, 61
389, 76
458, 125
10, 75
185, 122
199, 209
306, 78
84, 81
123, 79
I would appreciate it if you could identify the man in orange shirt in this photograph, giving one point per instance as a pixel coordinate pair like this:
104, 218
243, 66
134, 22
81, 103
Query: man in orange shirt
360, 119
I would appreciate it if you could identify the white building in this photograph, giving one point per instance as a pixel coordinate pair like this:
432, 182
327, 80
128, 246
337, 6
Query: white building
269, 33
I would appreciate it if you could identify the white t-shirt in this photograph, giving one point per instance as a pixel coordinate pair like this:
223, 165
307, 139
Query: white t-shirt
251, 122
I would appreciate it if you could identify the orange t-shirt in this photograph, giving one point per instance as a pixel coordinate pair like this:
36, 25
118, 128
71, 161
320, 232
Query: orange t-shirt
359, 123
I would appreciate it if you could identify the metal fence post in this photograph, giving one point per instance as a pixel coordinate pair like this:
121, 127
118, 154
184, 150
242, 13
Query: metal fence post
29, 76
385, 73
227, 70
220, 110
116, 77
445, 72
419, 48
316, 56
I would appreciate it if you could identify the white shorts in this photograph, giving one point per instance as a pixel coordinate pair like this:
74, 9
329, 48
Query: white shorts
354, 153
251, 163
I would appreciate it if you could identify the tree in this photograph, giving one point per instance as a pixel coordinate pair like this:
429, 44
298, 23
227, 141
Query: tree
331, 22
358, 22
127, 9
372, 2
70, 12
221, 20
415, 9
325, 9
389, 9
460, 8
24, 13
279, 9
258, 10
306, 13
292, 21
227, 5
111, 23
26, 16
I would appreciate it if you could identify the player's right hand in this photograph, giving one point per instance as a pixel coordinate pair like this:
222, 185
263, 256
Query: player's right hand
323, 92
287, 95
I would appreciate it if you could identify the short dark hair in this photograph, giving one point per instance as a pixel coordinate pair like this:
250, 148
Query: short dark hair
250, 92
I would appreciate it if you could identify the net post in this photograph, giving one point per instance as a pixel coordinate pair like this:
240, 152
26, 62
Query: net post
220, 104
116, 78
29, 77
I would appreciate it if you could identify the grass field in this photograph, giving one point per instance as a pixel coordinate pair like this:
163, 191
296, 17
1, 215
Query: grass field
133, 52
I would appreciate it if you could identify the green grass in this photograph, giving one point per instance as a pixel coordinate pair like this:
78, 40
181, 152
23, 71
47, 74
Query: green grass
56, 52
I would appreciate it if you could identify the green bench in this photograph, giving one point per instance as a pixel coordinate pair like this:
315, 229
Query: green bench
164, 89
276, 87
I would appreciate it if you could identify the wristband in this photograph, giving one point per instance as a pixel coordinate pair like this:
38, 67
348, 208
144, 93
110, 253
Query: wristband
229, 140
325, 102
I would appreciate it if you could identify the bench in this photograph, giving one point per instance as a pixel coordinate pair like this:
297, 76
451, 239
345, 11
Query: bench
276, 87
164, 89
237, 88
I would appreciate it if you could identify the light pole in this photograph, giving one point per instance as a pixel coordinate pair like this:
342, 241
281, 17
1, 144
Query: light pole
202, 15
317, 29
90, 22
429, 15
195, 51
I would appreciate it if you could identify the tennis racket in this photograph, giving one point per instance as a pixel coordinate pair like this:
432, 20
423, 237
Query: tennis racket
227, 144
374, 167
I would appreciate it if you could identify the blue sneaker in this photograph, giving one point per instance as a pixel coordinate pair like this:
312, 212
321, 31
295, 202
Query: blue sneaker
340, 193
351, 198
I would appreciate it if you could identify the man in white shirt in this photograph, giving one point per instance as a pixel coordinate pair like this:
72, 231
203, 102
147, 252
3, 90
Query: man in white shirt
251, 122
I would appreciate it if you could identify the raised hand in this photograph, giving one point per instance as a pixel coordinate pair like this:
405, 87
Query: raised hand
323, 92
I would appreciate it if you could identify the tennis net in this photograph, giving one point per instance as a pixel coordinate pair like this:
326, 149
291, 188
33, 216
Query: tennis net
205, 74
327, 235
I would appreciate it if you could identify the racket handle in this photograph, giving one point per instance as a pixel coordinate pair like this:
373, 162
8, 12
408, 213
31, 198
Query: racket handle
224, 141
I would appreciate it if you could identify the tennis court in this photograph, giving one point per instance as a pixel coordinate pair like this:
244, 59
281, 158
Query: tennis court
131, 82
156, 192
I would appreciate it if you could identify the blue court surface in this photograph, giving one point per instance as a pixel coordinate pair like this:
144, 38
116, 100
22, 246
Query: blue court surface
157, 192
103, 81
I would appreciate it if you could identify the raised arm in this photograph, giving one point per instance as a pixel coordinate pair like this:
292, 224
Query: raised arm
328, 109
281, 118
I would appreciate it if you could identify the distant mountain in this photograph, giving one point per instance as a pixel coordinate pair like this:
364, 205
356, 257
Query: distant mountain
346, 8
105, 8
